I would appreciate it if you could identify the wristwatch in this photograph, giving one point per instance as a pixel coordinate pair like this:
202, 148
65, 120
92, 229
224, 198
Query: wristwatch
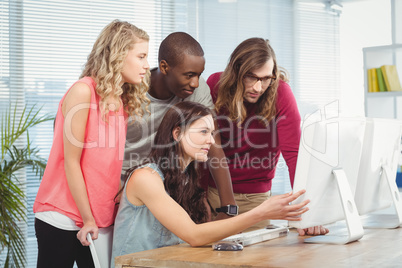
231, 210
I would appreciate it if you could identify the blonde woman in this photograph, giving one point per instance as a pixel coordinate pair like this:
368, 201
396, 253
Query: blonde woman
82, 177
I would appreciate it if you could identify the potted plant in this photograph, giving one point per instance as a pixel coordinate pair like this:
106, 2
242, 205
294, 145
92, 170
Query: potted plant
14, 126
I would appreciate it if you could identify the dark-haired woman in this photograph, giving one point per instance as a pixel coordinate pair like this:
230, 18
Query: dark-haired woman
162, 203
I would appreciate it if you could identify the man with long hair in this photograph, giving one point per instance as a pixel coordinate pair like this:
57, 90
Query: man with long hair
177, 78
258, 120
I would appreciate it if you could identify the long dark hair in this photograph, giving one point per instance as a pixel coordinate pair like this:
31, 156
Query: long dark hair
249, 55
167, 153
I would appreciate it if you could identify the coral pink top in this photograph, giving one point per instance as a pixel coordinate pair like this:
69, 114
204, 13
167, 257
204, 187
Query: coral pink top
101, 162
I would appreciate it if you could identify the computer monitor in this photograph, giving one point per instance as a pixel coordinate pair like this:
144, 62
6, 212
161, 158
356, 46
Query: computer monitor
376, 188
327, 167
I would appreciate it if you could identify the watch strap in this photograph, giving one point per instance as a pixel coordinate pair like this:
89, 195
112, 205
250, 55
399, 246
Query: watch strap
224, 209
231, 210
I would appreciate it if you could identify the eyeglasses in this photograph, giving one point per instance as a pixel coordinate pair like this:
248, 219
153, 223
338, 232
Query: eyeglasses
250, 80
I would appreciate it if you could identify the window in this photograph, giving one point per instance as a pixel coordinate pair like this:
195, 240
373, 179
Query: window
317, 79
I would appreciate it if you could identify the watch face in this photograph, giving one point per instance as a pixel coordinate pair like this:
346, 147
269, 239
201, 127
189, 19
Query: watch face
232, 210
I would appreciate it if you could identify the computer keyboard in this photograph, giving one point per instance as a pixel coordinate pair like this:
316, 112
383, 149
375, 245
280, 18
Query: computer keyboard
257, 236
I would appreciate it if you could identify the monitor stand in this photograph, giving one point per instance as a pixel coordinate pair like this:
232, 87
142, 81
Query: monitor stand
388, 220
353, 222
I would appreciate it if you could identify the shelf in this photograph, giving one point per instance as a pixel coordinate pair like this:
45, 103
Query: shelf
387, 104
384, 94
382, 48
374, 57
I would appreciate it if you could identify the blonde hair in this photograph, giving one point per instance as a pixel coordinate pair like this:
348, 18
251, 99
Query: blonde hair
105, 64
249, 55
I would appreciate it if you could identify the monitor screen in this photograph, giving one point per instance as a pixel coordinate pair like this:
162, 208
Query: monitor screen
376, 187
327, 167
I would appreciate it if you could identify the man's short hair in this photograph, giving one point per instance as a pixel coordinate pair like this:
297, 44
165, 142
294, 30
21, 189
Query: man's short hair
175, 45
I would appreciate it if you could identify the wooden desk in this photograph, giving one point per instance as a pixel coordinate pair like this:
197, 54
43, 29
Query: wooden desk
378, 248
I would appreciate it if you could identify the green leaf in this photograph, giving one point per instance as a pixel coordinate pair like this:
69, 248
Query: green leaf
14, 124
